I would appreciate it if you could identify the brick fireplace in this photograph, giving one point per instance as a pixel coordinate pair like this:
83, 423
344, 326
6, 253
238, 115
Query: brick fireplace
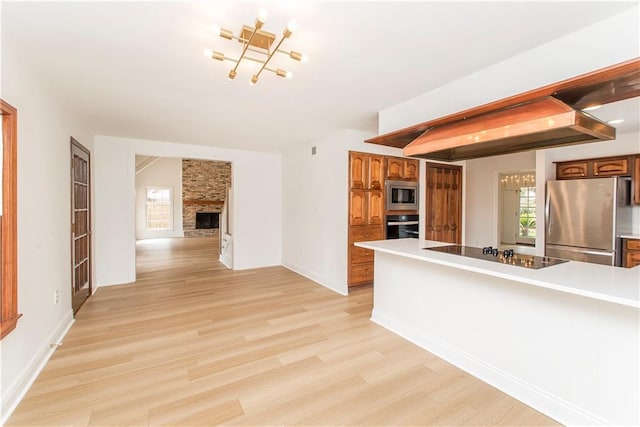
204, 185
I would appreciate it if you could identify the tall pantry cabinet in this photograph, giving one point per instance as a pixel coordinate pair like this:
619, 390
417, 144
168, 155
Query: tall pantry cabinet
366, 213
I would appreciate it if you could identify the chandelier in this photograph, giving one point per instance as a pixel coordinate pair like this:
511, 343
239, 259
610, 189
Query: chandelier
258, 41
517, 180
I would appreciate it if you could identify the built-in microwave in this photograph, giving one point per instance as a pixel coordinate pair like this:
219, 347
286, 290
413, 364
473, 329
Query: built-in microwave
402, 196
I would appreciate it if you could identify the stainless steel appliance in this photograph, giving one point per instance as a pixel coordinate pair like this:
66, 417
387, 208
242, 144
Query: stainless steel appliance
507, 256
402, 196
402, 226
584, 218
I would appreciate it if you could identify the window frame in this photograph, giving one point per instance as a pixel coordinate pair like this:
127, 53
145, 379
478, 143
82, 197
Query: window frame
8, 222
146, 208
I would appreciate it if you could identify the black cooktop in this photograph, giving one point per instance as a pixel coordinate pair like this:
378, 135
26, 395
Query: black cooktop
501, 256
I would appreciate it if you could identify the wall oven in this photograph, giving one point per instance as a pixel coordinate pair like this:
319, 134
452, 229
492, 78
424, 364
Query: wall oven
402, 196
402, 226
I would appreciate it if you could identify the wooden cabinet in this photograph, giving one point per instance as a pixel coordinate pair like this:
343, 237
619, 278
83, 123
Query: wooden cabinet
399, 168
366, 213
569, 170
611, 167
626, 165
636, 180
630, 252
366, 171
376, 172
593, 168
411, 169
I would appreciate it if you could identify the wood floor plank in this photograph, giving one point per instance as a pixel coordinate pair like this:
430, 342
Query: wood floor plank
193, 343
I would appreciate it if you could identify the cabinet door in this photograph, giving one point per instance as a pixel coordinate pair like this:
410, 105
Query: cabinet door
572, 170
632, 259
636, 181
358, 170
411, 168
395, 168
376, 172
375, 207
357, 207
611, 167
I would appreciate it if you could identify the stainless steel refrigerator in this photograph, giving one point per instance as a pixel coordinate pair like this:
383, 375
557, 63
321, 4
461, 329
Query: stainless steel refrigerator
585, 217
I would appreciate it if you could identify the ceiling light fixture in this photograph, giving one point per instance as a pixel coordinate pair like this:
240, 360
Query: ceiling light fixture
591, 108
615, 122
258, 41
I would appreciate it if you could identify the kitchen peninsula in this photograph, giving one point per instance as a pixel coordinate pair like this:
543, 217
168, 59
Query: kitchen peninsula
563, 339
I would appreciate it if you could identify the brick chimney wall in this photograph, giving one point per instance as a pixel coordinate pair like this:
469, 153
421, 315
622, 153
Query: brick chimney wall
207, 181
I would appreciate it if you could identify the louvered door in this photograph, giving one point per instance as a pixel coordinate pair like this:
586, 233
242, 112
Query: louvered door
443, 208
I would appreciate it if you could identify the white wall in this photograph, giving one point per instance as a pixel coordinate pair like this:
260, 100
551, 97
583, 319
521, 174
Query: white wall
605, 43
481, 181
257, 221
315, 206
165, 172
44, 233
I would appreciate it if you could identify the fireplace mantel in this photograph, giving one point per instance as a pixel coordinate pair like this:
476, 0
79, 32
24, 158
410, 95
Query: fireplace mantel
203, 202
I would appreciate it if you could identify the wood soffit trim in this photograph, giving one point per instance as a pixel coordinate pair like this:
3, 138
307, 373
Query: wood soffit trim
203, 202
614, 83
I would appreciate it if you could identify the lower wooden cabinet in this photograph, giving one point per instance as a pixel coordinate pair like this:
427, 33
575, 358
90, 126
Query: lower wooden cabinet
631, 252
360, 270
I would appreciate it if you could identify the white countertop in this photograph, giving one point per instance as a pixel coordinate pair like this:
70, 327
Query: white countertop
630, 236
613, 284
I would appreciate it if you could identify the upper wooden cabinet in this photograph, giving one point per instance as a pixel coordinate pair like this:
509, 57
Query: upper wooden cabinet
594, 168
568, 170
376, 172
411, 169
357, 170
399, 168
611, 167
366, 171
636, 180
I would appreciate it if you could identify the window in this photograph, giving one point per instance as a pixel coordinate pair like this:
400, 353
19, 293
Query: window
8, 222
527, 213
159, 209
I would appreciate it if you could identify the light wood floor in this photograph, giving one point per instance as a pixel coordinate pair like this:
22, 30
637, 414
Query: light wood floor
194, 343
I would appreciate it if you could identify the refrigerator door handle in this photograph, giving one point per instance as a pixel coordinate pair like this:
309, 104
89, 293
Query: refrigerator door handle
581, 250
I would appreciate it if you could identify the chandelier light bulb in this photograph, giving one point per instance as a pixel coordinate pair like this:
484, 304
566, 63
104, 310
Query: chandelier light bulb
304, 58
263, 15
208, 53
288, 74
292, 26
232, 75
254, 80
215, 29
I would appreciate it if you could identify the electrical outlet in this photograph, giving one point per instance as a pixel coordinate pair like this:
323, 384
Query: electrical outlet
55, 296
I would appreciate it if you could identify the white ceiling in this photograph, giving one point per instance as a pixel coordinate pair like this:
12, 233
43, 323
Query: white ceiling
136, 69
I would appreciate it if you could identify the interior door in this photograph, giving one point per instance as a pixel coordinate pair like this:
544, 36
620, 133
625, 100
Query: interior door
80, 225
509, 216
443, 210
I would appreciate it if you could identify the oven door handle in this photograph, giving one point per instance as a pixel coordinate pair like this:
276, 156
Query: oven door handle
403, 223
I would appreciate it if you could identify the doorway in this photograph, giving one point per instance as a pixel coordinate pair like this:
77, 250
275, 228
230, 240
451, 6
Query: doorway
80, 225
518, 208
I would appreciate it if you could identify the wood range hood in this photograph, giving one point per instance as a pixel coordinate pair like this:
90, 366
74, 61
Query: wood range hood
547, 117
